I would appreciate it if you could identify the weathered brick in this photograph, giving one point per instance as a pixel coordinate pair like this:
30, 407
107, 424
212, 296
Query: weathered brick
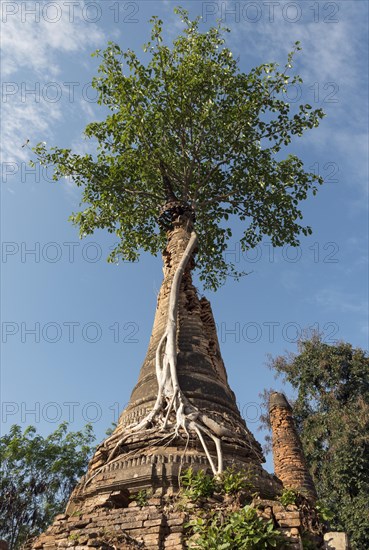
126, 525
289, 522
152, 522
289, 460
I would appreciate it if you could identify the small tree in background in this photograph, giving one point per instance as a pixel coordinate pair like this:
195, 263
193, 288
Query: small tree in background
37, 476
331, 412
190, 142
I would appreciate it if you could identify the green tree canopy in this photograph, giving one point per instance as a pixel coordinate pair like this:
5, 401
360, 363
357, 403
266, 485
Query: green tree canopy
331, 412
188, 127
37, 476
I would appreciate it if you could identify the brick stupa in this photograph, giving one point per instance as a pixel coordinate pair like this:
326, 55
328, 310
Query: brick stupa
102, 511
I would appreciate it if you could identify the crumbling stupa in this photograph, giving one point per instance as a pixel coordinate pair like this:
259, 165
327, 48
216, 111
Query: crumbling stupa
102, 511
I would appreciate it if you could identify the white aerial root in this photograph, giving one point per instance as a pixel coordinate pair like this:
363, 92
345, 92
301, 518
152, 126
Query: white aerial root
170, 398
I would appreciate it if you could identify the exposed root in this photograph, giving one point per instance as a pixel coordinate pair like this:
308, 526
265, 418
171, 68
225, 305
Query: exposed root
172, 410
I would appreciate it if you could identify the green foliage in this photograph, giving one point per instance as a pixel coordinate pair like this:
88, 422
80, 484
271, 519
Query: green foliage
288, 497
141, 497
324, 513
189, 126
307, 543
332, 417
235, 531
201, 485
37, 476
233, 481
197, 485
111, 428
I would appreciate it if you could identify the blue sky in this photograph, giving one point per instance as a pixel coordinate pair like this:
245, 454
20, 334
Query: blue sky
74, 328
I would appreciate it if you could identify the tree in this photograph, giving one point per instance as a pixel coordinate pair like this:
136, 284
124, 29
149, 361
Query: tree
189, 142
37, 476
331, 412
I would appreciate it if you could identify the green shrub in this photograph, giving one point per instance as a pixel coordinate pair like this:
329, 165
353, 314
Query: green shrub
141, 497
307, 543
241, 530
324, 513
197, 485
232, 481
288, 496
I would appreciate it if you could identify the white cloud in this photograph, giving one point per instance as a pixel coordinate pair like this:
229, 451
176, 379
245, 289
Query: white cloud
88, 109
335, 299
290, 280
34, 41
333, 52
33, 50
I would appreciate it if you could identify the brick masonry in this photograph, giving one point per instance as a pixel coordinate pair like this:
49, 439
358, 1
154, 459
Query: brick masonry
159, 524
289, 460
101, 513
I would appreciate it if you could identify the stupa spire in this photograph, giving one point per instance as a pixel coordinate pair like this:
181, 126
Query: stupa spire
154, 456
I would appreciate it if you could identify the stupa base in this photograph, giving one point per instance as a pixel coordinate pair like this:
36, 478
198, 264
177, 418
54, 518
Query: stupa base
158, 472
160, 523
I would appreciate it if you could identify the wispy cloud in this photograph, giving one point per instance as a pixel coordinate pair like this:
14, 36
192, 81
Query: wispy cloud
339, 300
333, 61
35, 41
34, 48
